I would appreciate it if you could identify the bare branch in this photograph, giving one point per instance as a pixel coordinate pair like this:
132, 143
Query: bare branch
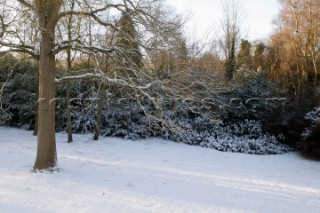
3, 27
26, 4
78, 77
79, 47
19, 48
4, 84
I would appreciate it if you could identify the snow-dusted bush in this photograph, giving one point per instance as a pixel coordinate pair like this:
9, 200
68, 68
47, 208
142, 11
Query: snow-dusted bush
311, 134
18, 98
82, 106
245, 136
314, 116
262, 101
128, 121
247, 122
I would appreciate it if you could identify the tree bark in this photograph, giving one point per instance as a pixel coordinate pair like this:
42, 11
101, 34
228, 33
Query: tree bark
35, 131
47, 11
46, 150
69, 64
69, 119
98, 112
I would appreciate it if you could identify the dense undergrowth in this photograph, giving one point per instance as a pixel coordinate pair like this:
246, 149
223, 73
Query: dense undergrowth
255, 118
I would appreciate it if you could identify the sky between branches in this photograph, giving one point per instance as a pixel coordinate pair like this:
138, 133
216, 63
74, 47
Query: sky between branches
207, 14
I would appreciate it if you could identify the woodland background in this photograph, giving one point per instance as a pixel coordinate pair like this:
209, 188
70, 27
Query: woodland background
137, 75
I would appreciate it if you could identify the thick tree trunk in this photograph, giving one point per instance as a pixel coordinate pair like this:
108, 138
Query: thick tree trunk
46, 150
47, 12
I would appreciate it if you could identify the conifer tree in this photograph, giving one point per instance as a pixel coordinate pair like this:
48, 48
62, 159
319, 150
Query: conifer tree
258, 56
231, 23
127, 39
244, 56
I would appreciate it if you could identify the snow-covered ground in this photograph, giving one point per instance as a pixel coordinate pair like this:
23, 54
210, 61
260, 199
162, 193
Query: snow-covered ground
114, 175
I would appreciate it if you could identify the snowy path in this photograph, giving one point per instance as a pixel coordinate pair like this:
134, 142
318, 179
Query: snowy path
115, 175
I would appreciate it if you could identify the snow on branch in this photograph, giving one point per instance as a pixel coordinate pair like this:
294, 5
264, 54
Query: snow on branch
18, 46
79, 47
103, 77
22, 48
78, 77
92, 13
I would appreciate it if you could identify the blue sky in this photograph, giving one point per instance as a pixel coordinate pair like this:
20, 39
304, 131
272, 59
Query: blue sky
207, 16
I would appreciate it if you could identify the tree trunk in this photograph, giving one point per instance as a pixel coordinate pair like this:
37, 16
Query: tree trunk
47, 11
98, 112
69, 120
69, 63
46, 150
35, 131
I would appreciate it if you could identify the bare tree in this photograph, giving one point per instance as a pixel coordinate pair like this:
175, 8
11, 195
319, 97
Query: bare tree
296, 46
68, 26
46, 46
234, 14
